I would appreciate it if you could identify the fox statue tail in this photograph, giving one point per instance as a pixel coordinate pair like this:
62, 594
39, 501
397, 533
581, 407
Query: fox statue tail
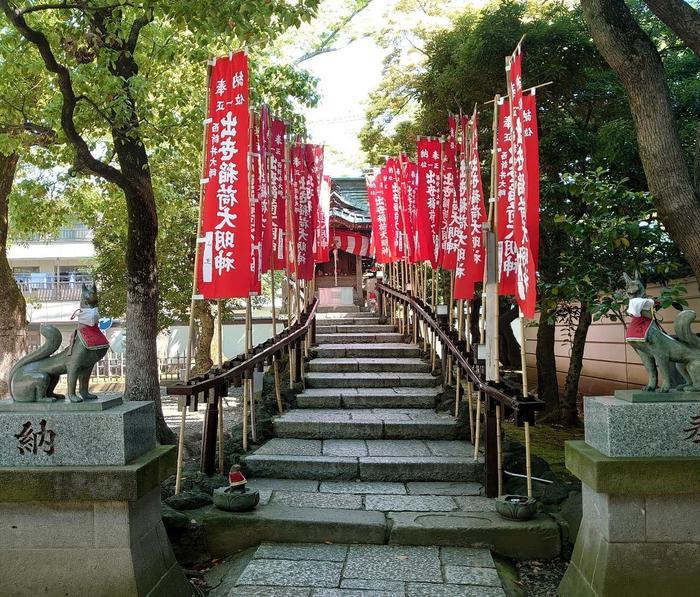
53, 342
683, 329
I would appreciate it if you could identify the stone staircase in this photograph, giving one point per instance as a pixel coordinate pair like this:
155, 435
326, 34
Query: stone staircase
365, 458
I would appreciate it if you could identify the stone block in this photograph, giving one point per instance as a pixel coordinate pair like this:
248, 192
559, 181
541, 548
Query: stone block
262, 484
268, 591
344, 447
290, 573
410, 503
329, 400
420, 429
444, 488
393, 563
366, 487
229, 532
617, 427
418, 468
393, 447
329, 429
373, 585
111, 437
384, 350
451, 448
673, 518
433, 590
619, 518
302, 551
528, 540
292, 447
280, 466
347, 501
471, 575
467, 556
475, 503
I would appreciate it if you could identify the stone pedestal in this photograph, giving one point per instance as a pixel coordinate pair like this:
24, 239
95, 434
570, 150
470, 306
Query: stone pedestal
71, 529
640, 471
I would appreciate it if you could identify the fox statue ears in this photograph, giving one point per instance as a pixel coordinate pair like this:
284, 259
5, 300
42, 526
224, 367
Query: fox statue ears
637, 278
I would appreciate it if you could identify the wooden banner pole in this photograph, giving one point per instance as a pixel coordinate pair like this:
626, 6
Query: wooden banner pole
220, 359
195, 272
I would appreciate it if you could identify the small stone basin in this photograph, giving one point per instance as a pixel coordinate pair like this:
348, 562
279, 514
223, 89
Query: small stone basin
235, 501
516, 507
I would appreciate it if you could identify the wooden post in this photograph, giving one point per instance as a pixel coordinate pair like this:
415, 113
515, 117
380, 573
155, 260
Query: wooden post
499, 446
220, 358
188, 351
477, 424
523, 365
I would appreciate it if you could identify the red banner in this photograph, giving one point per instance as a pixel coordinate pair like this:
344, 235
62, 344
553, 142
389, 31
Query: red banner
256, 214
297, 197
464, 281
224, 258
277, 193
265, 222
450, 199
322, 244
409, 188
428, 200
475, 254
382, 238
392, 199
313, 171
506, 194
526, 287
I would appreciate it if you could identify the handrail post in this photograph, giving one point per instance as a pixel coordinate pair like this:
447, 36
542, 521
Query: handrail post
490, 450
211, 419
297, 361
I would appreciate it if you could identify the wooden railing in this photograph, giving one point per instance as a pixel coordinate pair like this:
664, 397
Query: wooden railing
211, 386
512, 402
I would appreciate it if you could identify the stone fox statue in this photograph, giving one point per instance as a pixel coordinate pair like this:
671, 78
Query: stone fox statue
34, 377
656, 348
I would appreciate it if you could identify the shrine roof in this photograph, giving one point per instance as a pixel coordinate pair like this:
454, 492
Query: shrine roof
349, 200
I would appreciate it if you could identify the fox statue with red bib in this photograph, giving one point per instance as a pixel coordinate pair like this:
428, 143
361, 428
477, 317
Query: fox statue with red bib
34, 377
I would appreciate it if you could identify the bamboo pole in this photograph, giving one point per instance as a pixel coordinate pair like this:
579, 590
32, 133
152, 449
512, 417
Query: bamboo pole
458, 386
493, 208
499, 446
220, 359
195, 272
450, 319
251, 380
477, 424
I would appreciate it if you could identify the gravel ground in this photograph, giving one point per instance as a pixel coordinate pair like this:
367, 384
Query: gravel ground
233, 411
541, 578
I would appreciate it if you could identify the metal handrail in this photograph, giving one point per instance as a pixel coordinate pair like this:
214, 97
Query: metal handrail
234, 369
516, 401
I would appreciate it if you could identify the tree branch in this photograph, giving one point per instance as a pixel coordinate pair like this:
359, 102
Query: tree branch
326, 44
681, 18
84, 156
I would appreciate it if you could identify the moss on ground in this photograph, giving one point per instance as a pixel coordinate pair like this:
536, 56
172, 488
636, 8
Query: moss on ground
547, 442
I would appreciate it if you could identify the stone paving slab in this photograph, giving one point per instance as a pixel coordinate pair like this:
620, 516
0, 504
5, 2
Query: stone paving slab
369, 364
344, 447
526, 540
358, 339
357, 379
282, 466
467, 556
475, 503
354, 328
366, 571
296, 499
418, 468
391, 447
365, 487
384, 350
297, 447
283, 484
263, 591
410, 503
443, 488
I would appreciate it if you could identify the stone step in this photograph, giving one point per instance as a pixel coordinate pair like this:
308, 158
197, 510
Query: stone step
338, 309
367, 364
334, 316
358, 379
351, 319
358, 338
365, 424
383, 350
355, 329
368, 397
362, 512
366, 460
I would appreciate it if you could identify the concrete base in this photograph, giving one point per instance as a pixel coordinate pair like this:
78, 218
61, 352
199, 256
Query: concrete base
640, 533
88, 543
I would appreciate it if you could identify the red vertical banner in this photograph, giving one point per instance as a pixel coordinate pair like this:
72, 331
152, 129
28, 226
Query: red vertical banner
256, 216
532, 159
297, 196
224, 257
277, 193
409, 188
526, 286
428, 200
380, 224
313, 171
392, 199
505, 203
322, 245
464, 280
450, 187
475, 254
265, 221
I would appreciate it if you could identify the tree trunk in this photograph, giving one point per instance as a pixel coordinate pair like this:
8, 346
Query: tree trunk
508, 346
13, 309
569, 407
635, 59
547, 382
204, 322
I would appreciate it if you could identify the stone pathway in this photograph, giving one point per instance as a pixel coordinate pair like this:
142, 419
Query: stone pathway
366, 459
321, 570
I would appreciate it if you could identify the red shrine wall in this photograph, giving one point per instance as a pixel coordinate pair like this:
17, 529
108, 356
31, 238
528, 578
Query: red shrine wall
609, 363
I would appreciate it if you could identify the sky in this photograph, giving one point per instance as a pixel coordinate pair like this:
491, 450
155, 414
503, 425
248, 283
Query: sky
345, 79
